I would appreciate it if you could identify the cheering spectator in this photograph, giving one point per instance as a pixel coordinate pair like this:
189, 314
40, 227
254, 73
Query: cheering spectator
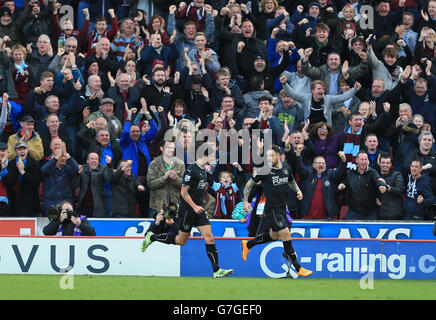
124, 191
418, 193
32, 139
57, 178
164, 178
362, 185
5, 181
25, 173
319, 185
390, 202
93, 176
127, 38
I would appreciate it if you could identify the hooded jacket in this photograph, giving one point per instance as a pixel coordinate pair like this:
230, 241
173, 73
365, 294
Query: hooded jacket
415, 188
391, 200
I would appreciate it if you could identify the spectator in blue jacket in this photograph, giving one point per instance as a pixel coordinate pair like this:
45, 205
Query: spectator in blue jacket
158, 51
303, 21
58, 175
134, 145
186, 39
281, 21
421, 93
275, 51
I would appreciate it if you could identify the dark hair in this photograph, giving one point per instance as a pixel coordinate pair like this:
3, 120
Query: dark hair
196, 79
255, 82
358, 39
264, 98
385, 156
352, 114
275, 148
361, 152
176, 102
417, 160
163, 141
315, 126
100, 18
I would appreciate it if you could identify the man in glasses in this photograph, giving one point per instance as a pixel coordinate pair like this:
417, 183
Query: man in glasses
319, 186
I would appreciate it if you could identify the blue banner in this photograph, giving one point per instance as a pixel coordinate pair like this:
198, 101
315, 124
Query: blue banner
300, 229
347, 259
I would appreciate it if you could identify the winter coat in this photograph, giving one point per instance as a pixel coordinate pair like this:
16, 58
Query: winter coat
98, 177
14, 29
329, 101
430, 158
35, 147
415, 188
330, 180
58, 183
124, 194
361, 190
23, 196
161, 191
392, 207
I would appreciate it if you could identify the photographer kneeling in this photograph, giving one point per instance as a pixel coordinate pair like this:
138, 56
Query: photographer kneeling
64, 221
165, 220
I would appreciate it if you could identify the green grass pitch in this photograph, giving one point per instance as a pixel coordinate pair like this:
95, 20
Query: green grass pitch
42, 287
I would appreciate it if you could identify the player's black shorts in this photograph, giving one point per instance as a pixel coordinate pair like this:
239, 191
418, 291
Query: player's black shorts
276, 218
188, 218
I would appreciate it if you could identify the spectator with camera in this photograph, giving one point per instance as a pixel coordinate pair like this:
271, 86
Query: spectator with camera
164, 220
64, 221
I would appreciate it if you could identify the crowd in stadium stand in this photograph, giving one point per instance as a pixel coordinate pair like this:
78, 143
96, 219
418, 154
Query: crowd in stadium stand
348, 93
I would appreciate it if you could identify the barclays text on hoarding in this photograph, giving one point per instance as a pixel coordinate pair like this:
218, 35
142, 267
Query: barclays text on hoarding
300, 229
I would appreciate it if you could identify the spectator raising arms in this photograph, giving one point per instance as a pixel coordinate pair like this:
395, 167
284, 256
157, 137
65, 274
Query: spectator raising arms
112, 106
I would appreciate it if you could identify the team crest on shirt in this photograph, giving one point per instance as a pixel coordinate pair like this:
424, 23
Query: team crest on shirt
327, 183
187, 177
285, 171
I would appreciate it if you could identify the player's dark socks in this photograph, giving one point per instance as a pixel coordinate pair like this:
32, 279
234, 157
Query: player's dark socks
167, 238
291, 255
212, 254
260, 238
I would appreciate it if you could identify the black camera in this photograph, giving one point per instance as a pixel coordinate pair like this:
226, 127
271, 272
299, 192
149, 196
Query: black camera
54, 212
170, 210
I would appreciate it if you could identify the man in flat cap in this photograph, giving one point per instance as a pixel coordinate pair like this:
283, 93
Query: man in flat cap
106, 110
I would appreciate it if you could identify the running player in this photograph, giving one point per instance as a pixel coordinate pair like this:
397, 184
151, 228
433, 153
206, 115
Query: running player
192, 213
275, 185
